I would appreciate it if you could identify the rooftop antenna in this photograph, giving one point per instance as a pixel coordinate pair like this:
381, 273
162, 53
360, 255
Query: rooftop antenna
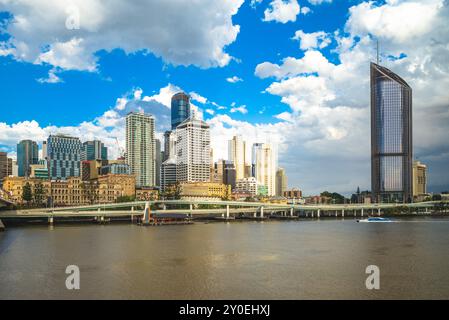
377, 51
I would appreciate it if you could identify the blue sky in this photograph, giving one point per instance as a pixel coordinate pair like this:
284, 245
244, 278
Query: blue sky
258, 41
307, 94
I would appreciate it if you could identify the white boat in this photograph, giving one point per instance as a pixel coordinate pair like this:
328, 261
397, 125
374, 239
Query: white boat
375, 219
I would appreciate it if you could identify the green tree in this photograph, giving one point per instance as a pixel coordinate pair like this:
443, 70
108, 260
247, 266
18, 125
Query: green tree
27, 194
39, 194
336, 197
122, 199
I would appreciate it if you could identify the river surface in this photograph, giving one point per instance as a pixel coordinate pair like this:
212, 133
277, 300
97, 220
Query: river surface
305, 259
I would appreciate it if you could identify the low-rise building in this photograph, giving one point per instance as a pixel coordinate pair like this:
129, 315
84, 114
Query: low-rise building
241, 196
205, 191
318, 200
248, 185
293, 194
147, 194
73, 191
39, 171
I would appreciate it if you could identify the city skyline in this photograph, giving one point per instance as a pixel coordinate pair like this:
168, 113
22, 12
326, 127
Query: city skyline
321, 122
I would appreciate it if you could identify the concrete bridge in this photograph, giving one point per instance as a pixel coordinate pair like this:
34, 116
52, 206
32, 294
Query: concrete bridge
145, 210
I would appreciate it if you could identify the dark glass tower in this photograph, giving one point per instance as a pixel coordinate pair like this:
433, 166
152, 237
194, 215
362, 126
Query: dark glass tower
391, 136
27, 154
180, 109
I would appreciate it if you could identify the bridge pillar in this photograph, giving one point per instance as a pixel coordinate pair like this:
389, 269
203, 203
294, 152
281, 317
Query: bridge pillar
342, 213
291, 212
146, 213
362, 212
378, 212
261, 212
255, 213
50, 220
227, 211
318, 214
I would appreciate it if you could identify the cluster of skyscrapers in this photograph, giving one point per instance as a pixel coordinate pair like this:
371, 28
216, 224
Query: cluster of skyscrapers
188, 156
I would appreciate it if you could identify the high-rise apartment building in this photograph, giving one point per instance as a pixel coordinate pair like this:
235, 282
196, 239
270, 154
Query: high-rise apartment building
419, 178
265, 166
237, 154
94, 150
193, 151
63, 157
281, 182
180, 109
27, 154
141, 148
391, 136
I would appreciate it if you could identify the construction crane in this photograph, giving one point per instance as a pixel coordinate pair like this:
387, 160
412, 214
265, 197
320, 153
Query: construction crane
120, 149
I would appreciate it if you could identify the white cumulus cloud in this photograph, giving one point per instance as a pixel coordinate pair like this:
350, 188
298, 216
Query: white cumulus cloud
282, 11
180, 32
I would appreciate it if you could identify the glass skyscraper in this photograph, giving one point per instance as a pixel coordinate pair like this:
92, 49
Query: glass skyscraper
27, 154
180, 109
391, 136
63, 157
94, 150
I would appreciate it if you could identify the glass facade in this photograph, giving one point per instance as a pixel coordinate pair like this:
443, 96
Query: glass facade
27, 154
391, 136
180, 109
64, 157
94, 150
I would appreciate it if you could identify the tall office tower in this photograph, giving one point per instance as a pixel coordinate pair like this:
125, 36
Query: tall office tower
63, 157
44, 150
27, 154
158, 162
237, 154
419, 178
141, 148
180, 109
265, 166
168, 168
4, 165
253, 158
281, 182
94, 150
193, 151
391, 136
224, 172
167, 135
